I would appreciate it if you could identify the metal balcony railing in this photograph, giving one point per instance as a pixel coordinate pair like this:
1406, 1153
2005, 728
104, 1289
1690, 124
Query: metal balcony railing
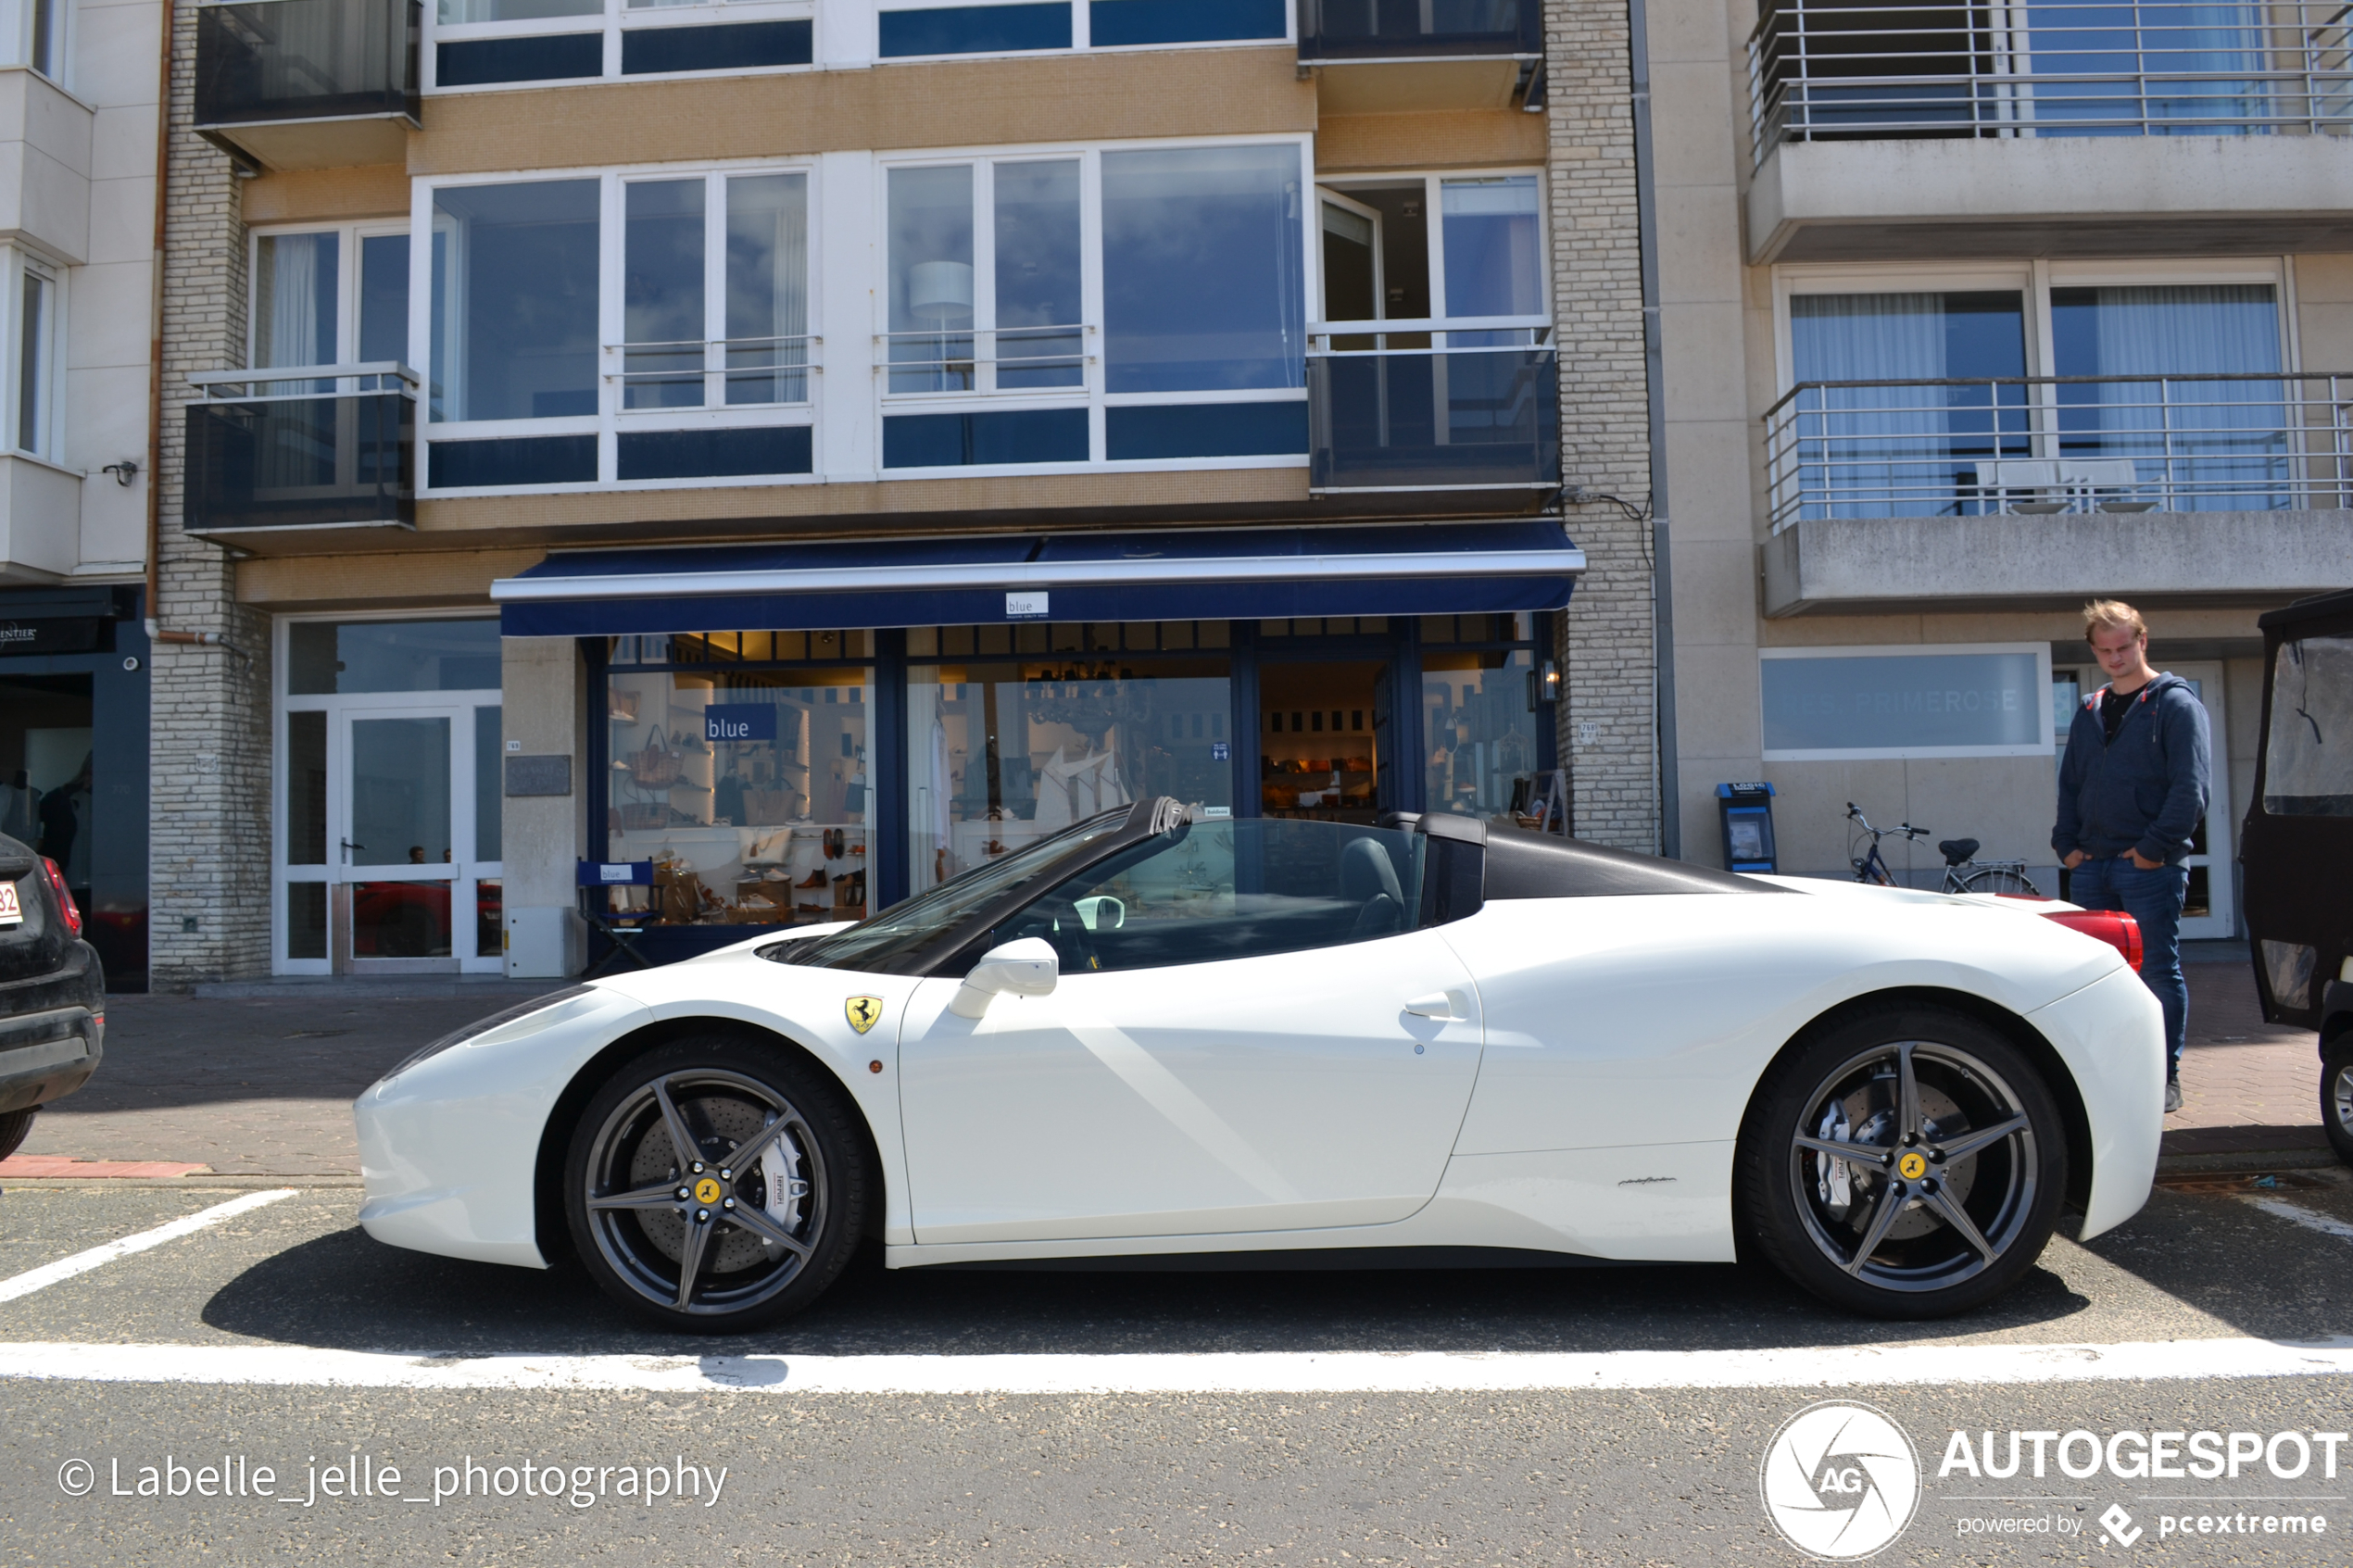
1041, 358
2059, 443
1433, 405
302, 446
1839, 70
1333, 30
718, 373
263, 61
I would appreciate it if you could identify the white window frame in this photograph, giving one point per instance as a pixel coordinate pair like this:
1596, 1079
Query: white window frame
1094, 397
2039, 700
610, 418
462, 823
616, 18
49, 371
1433, 208
16, 38
348, 241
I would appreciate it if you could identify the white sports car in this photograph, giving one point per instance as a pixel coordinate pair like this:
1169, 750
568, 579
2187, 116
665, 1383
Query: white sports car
1169, 1033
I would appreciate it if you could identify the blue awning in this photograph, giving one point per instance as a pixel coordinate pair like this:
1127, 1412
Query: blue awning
1417, 568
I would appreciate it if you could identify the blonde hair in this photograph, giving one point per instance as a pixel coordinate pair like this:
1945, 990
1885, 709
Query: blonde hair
2112, 612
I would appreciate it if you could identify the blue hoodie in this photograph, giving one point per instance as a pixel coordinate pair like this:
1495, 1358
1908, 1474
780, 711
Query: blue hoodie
2147, 790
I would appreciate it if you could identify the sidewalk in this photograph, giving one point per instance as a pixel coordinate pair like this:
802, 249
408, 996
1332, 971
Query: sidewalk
257, 1079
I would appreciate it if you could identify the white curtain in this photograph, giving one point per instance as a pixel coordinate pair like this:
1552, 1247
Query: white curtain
2215, 445
768, 287
1871, 451
295, 300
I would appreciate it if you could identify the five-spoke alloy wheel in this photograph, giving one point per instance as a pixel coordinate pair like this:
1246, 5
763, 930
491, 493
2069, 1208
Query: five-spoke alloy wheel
714, 1185
1904, 1163
2336, 1096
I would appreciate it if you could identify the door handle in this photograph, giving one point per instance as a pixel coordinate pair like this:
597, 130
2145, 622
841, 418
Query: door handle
1452, 1006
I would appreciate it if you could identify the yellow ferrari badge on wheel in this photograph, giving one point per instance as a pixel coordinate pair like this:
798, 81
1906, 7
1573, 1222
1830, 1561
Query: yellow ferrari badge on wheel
864, 1012
1911, 1167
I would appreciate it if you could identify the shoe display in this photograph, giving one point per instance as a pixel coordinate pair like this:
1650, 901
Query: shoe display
815, 879
2173, 1095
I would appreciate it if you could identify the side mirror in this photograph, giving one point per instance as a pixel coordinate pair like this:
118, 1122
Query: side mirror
1027, 968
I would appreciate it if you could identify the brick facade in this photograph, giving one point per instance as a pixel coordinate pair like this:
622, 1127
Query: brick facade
1608, 720
209, 914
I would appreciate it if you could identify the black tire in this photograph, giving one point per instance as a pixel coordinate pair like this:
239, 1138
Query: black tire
2336, 1096
766, 1240
1877, 1234
14, 1126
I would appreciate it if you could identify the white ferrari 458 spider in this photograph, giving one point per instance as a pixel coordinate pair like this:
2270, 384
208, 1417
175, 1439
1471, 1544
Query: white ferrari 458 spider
1168, 1033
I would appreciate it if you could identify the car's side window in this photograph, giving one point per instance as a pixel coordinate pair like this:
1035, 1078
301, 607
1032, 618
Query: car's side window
1227, 889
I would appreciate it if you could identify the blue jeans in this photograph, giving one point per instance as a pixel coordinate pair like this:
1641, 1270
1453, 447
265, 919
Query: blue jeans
2154, 898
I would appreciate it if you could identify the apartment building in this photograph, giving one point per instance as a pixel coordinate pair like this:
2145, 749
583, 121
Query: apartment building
79, 89
1971, 312
780, 454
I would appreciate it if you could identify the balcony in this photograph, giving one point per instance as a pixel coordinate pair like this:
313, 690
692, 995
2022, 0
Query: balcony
1889, 129
302, 447
309, 84
2037, 492
1442, 404
1403, 56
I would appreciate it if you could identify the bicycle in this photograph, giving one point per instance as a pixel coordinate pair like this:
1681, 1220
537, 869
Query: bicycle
1963, 873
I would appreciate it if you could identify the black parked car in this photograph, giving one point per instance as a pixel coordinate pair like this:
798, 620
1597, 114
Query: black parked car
2297, 845
52, 995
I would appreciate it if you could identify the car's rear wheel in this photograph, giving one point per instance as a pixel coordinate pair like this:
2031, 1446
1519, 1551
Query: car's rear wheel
14, 1126
714, 1185
1907, 1163
2336, 1096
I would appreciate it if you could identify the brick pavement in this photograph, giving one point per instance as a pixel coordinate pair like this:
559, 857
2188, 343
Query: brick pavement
260, 1081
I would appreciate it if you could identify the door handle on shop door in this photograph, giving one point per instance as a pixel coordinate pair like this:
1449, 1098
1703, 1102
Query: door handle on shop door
1451, 1006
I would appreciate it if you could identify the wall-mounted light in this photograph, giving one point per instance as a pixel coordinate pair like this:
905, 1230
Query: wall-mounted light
123, 472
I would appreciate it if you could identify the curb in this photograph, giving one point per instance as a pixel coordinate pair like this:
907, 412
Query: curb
2247, 1160
206, 1181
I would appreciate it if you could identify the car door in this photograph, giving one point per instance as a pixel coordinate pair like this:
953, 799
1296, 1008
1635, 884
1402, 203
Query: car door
1233, 1046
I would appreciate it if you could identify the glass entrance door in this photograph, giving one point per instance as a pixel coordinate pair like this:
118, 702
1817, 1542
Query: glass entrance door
397, 856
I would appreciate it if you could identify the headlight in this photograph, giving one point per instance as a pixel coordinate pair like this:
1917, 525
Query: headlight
481, 1026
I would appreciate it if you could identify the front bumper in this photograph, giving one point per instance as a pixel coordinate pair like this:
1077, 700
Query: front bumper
2111, 1036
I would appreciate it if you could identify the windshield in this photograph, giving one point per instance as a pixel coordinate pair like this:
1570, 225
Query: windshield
904, 928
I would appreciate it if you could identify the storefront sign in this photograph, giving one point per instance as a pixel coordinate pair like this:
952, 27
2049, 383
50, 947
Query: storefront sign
1025, 606
539, 775
1898, 702
723, 722
73, 635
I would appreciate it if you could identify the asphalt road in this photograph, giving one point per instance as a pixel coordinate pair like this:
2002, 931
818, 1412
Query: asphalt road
1659, 1463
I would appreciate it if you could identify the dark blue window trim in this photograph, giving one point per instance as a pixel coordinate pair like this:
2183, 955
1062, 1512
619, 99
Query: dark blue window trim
1113, 23
975, 30
1029, 435
713, 454
485, 62
1205, 430
731, 46
519, 460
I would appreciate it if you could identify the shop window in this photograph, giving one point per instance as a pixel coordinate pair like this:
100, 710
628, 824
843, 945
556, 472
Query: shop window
749, 788
1003, 754
46, 756
1478, 720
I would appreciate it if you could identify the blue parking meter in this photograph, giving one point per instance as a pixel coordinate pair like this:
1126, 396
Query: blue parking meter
1748, 811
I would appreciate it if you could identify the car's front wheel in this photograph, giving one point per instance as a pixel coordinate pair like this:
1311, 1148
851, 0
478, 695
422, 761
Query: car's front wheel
715, 1185
1907, 1163
2336, 1096
14, 1126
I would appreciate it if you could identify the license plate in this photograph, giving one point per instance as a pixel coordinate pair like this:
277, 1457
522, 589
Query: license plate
11, 911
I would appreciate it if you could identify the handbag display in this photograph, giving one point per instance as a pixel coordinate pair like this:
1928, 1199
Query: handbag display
658, 764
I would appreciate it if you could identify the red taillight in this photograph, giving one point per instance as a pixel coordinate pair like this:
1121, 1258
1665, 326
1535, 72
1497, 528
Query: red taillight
2116, 929
65, 898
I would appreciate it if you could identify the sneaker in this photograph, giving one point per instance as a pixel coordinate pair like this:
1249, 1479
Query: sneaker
2173, 1095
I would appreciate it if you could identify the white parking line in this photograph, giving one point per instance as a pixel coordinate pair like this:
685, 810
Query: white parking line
48, 1275
2325, 1223
1272, 1372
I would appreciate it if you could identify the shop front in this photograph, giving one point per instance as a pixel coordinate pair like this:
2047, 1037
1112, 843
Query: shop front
797, 734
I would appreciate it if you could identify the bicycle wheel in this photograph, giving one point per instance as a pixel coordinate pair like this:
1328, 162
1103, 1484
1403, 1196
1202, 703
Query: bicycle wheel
2000, 879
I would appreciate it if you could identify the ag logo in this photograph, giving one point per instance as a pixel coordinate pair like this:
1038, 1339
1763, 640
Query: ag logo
1840, 1480
864, 1012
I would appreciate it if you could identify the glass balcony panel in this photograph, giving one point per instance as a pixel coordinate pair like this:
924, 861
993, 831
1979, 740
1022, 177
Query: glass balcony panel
1434, 419
301, 463
1373, 29
306, 59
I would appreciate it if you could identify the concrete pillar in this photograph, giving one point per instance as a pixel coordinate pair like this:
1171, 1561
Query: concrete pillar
545, 692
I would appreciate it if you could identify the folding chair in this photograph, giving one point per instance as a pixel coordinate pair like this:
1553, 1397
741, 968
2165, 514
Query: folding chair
622, 931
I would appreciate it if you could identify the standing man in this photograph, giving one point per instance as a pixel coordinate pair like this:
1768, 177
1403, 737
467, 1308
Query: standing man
2131, 793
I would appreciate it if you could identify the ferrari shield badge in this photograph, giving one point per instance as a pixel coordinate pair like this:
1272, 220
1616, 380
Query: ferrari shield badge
864, 1012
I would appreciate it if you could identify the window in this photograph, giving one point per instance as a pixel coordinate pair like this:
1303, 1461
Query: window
40, 28
1223, 889
33, 385
1982, 700
974, 30
495, 42
329, 297
708, 282
2308, 764
740, 766
913, 28
1006, 748
2179, 401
